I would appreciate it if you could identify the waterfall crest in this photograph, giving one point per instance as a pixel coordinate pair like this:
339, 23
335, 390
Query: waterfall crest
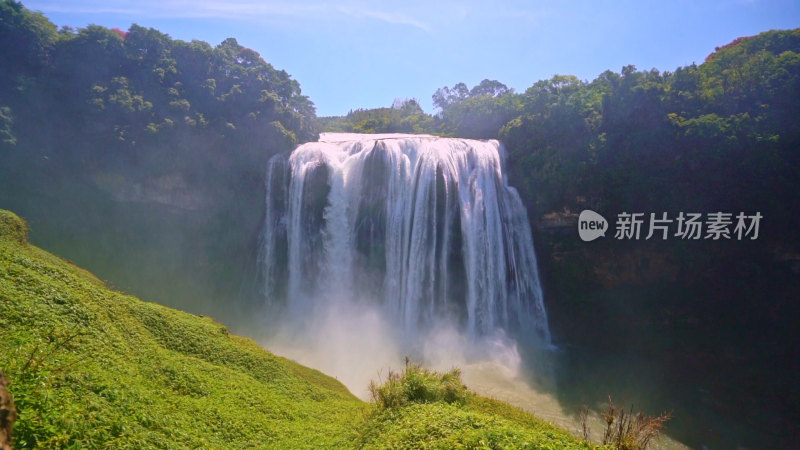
426, 227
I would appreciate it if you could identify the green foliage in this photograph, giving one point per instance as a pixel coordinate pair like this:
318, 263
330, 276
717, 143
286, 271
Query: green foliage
479, 112
12, 228
551, 143
445, 426
90, 367
405, 116
476, 113
26, 40
701, 137
108, 95
421, 408
417, 384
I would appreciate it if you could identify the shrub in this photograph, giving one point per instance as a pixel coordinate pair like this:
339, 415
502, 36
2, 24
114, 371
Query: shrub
12, 227
629, 431
416, 384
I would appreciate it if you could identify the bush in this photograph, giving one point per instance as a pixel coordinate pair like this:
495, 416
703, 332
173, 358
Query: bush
629, 431
415, 384
12, 227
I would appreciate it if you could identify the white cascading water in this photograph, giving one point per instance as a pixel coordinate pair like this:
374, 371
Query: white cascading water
427, 227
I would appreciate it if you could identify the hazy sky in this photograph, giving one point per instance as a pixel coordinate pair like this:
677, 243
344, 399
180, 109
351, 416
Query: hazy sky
364, 54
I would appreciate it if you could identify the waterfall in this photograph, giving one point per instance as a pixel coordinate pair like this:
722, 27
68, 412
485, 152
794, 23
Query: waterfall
425, 227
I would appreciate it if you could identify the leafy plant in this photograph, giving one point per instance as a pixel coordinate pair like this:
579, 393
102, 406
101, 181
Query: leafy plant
416, 384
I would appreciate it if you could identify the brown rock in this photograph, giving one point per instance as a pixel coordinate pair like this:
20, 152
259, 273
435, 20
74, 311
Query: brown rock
8, 414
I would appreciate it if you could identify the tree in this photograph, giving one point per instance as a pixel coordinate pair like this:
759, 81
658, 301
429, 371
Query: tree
444, 97
492, 88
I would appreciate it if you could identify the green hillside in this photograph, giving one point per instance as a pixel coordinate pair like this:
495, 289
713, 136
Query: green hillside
91, 367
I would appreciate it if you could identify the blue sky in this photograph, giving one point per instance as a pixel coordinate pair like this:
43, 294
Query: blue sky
362, 54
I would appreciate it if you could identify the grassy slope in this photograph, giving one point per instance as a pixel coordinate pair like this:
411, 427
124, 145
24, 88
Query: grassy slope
481, 423
92, 367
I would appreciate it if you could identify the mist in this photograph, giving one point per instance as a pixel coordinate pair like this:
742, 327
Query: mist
357, 342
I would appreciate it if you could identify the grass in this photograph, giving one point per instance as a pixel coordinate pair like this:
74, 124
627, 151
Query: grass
421, 408
91, 367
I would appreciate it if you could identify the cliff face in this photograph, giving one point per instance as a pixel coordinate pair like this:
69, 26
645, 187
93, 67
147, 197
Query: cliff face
715, 314
182, 241
8, 414
712, 286
171, 190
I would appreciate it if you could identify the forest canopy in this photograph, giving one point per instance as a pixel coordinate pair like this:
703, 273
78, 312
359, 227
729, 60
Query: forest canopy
113, 97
